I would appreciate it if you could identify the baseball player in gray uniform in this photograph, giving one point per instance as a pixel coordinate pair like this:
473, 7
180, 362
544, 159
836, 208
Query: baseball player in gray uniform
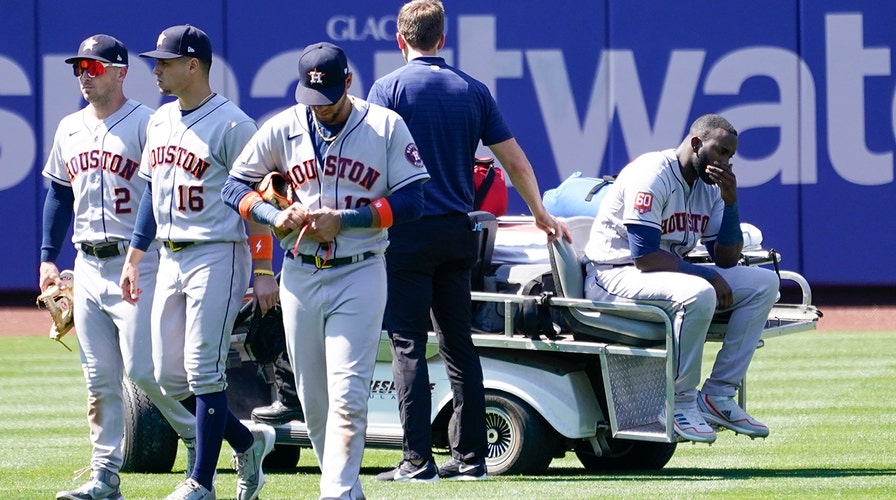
661, 204
92, 169
205, 258
355, 171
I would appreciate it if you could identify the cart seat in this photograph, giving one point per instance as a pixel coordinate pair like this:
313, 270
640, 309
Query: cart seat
628, 328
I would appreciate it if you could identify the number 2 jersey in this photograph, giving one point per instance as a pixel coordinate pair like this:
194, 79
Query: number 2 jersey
99, 159
187, 158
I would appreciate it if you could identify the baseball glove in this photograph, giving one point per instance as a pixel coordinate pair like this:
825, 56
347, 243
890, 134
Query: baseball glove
59, 301
265, 338
275, 189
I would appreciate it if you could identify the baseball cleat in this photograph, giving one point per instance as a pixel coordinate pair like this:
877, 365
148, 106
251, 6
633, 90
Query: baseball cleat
103, 485
724, 412
407, 472
191, 490
250, 477
690, 425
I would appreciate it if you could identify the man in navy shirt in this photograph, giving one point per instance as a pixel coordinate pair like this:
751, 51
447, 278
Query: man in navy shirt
429, 260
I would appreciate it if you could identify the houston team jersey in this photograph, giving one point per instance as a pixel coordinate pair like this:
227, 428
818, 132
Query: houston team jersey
651, 191
187, 158
373, 156
100, 159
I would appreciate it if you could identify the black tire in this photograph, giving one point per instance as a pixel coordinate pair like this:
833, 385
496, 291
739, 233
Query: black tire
149, 444
626, 454
283, 458
519, 439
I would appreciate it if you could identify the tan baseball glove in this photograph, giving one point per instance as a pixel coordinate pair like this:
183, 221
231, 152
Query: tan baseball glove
275, 189
59, 301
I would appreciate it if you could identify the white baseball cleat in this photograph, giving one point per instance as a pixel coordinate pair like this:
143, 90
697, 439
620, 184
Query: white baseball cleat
723, 411
690, 425
250, 477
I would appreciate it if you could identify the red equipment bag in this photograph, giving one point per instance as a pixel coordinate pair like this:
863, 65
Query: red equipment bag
491, 190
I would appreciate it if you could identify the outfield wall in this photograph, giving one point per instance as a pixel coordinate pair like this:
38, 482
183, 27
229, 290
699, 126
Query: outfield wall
585, 85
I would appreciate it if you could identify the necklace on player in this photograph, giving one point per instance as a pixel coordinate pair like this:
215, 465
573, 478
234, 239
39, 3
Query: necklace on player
320, 131
207, 99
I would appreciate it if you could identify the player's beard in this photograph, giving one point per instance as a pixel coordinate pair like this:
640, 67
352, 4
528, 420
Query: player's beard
700, 164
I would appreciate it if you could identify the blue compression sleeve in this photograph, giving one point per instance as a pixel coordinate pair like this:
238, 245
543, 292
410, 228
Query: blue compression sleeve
642, 239
233, 192
729, 231
406, 205
58, 211
704, 272
145, 226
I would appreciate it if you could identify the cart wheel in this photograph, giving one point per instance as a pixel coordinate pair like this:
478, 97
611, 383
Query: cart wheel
149, 444
626, 454
519, 439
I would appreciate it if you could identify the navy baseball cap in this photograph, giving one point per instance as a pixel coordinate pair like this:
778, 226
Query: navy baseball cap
322, 71
182, 41
102, 48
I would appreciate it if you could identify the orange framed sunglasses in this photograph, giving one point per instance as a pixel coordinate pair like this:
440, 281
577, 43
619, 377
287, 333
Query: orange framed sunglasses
92, 68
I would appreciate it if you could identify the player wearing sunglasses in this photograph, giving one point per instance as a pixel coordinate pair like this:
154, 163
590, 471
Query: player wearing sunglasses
92, 67
92, 168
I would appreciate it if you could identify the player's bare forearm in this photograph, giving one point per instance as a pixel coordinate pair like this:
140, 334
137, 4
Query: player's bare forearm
130, 275
657, 261
522, 176
726, 256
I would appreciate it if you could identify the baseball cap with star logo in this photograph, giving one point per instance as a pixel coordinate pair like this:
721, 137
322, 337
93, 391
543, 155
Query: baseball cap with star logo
102, 48
323, 68
182, 41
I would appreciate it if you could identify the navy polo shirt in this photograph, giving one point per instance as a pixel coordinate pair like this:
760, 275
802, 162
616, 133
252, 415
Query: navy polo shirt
448, 112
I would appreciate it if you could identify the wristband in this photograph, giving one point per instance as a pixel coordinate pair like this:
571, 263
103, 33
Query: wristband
383, 213
251, 199
262, 272
261, 246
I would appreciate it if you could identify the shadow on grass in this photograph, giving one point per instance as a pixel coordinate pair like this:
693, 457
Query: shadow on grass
701, 474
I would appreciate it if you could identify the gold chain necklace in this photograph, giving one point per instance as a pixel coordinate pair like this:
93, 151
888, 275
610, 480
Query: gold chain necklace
320, 132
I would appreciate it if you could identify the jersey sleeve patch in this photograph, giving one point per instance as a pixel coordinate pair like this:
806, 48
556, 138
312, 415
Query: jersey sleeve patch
643, 202
413, 155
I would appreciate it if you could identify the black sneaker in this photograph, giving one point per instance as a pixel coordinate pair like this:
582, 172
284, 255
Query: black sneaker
460, 470
408, 472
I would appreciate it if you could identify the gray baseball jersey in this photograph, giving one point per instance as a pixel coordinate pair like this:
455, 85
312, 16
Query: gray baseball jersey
333, 318
187, 159
651, 191
353, 173
105, 205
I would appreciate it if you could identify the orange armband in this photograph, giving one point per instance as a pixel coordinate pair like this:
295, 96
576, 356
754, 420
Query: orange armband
262, 246
382, 213
251, 199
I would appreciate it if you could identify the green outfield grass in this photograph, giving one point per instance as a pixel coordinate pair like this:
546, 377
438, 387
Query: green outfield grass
827, 397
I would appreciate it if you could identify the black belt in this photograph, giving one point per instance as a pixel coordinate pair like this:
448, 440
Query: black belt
177, 246
321, 263
102, 250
